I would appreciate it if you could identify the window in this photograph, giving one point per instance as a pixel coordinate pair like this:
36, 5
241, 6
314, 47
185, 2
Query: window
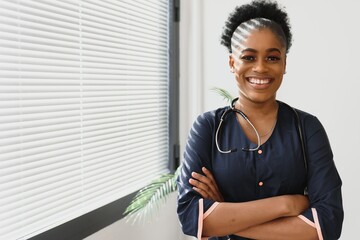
86, 89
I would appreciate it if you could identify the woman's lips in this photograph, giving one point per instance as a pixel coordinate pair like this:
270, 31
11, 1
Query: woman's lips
259, 83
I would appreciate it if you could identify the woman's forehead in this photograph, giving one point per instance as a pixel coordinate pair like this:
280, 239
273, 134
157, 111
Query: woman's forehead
258, 40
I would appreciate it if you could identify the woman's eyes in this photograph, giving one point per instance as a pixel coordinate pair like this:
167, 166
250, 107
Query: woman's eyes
248, 58
253, 58
273, 58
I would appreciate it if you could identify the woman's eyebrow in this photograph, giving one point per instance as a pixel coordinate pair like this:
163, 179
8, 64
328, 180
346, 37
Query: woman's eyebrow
249, 50
255, 51
273, 49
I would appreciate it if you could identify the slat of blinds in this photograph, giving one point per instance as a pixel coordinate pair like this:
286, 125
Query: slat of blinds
49, 9
121, 42
61, 114
28, 58
53, 162
134, 19
42, 150
123, 53
114, 119
38, 95
101, 169
57, 5
35, 138
10, 113
91, 20
147, 55
34, 26
39, 61
142, 7
133, 53
44, 44
57, 136
38, 187
113, 152
61, 89
56, 15
109, 139
100, 186
105, 174
9, 168
38, 53
34, 107
39, 75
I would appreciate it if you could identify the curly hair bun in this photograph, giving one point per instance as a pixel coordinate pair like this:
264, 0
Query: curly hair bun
256, 9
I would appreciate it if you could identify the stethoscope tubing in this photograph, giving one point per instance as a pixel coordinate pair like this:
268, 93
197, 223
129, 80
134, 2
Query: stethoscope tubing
233, 109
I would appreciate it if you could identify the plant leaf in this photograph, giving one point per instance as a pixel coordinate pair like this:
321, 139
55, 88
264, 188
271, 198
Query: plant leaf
149, 199
224, 93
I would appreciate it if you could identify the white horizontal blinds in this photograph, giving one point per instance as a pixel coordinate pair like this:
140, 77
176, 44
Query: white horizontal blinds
83, 107
125, 95
40, 157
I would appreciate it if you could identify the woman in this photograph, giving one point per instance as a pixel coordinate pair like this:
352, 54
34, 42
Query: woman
254, 174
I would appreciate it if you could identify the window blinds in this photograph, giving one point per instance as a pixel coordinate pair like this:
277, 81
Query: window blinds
83, 107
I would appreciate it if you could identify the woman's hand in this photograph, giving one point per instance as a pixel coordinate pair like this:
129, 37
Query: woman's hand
206, 185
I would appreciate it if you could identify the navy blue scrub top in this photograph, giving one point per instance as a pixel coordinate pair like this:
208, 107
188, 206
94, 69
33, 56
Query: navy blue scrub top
277, 168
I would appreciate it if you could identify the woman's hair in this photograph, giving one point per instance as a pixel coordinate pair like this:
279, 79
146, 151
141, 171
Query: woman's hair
258, 9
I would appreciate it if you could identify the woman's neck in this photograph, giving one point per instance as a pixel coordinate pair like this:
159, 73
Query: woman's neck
255, 109
263, 116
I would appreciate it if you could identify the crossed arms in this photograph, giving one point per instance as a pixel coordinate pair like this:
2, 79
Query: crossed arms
270, 218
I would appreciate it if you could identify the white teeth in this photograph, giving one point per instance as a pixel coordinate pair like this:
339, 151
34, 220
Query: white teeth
259, 81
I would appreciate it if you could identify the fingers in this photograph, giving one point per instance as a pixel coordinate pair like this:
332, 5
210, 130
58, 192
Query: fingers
201, 188
207, 194
203, 193
204, 182
206, 185
210, 176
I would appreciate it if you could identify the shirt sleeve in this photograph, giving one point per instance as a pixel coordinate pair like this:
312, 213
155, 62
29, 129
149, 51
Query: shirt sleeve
192, 208
324, 183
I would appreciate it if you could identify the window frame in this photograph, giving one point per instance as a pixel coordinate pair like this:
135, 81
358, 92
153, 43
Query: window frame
89, 223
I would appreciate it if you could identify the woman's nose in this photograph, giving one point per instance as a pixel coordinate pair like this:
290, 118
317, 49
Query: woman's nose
260, 66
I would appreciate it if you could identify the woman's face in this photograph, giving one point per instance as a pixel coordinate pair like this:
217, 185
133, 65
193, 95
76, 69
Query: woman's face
259, 65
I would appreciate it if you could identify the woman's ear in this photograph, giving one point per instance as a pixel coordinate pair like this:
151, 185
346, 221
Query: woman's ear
285, 65
231, 63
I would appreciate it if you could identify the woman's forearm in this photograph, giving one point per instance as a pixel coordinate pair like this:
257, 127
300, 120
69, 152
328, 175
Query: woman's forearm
281, 229
230, 218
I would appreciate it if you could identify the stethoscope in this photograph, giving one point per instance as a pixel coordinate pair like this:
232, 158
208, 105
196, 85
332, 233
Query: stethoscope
242, 114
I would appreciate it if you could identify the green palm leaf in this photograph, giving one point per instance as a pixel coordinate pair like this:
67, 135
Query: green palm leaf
149, 199
225, 94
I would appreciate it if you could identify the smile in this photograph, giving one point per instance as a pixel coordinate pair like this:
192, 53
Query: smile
259, 81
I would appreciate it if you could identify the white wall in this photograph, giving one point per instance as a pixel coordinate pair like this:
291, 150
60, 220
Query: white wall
323, 75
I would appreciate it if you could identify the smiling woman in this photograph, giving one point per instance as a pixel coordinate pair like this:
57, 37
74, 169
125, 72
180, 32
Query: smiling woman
262, 188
